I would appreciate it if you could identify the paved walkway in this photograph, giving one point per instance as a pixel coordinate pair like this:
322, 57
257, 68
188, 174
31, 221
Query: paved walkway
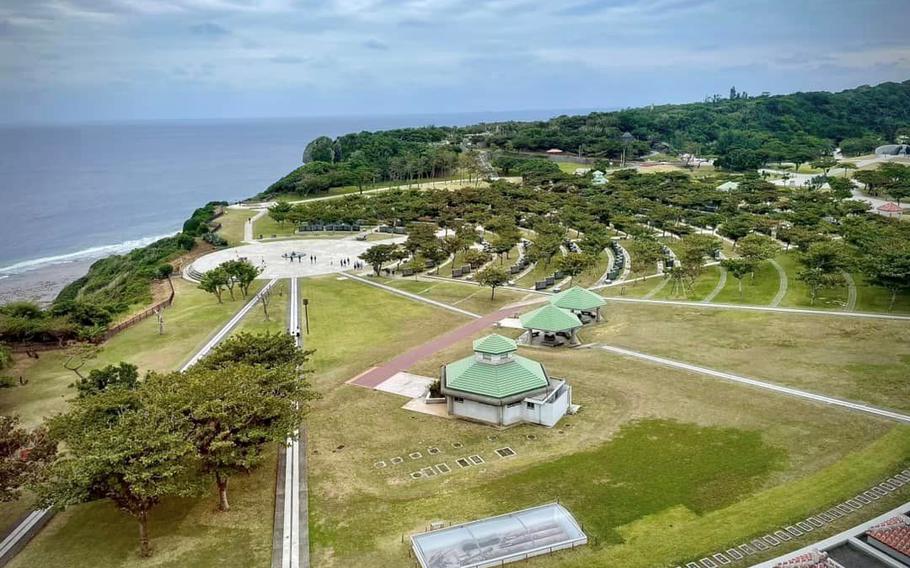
406, 360
832, 313
783, 284
248, 226
851, 291
880, 412
721, 282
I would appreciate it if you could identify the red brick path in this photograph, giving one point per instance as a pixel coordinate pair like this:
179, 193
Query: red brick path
377, 375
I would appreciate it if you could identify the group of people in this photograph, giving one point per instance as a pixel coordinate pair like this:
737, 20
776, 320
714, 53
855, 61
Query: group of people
344, 262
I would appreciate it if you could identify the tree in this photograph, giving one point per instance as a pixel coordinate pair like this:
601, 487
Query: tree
24, 455
825, 163
756, 248
738, 267
241, 272
476, 258
494, 277
378, 255
319, 150
266, 350
594, 242
214, 282
889, 267
575, 263
121, 376
546, 246
451, 244
644, 253
121, 446
736, 228
235, 412
280, 211
823, 263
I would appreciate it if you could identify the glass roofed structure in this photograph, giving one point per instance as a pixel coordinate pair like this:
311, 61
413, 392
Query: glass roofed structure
499, 540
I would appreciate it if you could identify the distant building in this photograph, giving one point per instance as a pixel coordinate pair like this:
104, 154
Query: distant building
555, 151
728, 186
582, 171
598, 178
890, 210
893, 150
495, 386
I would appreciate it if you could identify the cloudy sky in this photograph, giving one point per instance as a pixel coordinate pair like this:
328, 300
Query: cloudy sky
71, 60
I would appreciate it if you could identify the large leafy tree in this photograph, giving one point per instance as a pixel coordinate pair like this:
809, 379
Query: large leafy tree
494, 277
575, 263
122, 446
214, 282
121, 376
23, 456
889, 267
241, 272
378, 255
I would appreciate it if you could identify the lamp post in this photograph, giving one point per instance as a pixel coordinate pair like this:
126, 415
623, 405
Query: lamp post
306, 314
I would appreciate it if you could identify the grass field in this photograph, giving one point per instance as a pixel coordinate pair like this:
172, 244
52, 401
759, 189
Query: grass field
631, 422
467, 297
702, 286
759, 288
540, 271
194, 317
592, 275
798, 293
864, 360
270, 228
570, 167
232, 225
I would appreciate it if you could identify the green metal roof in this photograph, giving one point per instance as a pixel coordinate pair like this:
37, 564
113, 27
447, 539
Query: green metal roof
550, 318
500, 380
495, 344
577, 298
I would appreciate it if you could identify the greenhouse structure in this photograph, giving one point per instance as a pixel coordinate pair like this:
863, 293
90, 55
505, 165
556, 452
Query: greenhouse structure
495, 541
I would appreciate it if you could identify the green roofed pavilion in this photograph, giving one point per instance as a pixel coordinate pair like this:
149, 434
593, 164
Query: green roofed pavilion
577, 298
495, 344
551, 319
505, 379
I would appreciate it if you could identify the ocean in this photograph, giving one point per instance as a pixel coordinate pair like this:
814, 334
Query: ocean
71, 194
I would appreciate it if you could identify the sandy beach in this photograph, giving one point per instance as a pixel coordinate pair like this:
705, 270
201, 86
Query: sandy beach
43, 284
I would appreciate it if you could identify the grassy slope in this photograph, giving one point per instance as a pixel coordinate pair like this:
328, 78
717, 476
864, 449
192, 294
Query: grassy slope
267, 227
798, 293
193, 318
703, 286
863, 360
185, 532
232, 225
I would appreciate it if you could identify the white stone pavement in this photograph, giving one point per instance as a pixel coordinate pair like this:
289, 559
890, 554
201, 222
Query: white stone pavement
268, 255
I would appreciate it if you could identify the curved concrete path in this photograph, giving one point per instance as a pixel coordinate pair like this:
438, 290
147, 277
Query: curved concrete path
783, 284
745, 307
721, 282
851, 291
663, 283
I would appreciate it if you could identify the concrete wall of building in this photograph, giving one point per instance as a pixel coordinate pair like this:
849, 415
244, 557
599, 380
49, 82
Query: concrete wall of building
549, 414
474, 410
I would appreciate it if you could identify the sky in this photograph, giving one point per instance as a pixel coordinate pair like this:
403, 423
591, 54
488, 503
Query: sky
90, 60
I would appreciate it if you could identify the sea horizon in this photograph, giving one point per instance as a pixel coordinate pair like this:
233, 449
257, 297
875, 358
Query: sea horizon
78, 192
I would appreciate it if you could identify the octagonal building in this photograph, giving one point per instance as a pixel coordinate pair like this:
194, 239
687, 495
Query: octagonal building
495, 386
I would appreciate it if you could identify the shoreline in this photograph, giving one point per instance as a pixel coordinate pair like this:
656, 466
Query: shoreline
42, 285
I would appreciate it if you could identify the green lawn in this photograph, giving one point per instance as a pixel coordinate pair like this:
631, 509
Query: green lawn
703, 286
270, 228
636, 289
232, 223
871, 298
184, 532
630, 464
758, 289
798, 293
194, 317
255, 320
857, 359
469, 297
570, 167
540, 271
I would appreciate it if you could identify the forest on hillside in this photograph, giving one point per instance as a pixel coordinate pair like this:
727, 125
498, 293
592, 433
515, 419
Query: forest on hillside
742, 132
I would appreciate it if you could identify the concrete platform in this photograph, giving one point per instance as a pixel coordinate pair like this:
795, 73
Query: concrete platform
406, 384
268, 255
418, 405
